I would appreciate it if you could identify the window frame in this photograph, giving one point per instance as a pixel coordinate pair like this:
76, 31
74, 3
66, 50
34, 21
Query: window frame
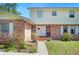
74, 30
65, 28
4, 27
54, 13
72, 14
39, 14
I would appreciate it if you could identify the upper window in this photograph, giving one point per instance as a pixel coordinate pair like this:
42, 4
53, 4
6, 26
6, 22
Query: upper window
54, 13
72, 14
40, 14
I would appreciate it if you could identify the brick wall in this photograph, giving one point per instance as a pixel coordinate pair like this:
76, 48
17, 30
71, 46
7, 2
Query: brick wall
19, 27
55, 31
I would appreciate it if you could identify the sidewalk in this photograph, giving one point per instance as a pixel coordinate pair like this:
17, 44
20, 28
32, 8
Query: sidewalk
41, 49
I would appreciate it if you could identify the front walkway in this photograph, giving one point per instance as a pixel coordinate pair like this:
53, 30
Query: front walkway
41, 48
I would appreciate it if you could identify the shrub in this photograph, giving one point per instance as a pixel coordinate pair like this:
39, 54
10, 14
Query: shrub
49, 39
10, 43
10, 49
22, 45
34, 41
34, 36
67, 37
32, 49
1, 46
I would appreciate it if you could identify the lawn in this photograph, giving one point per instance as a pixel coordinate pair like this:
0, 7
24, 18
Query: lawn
62, 47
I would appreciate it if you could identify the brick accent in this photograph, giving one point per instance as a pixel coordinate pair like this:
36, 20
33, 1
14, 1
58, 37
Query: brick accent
55, 32
19, 27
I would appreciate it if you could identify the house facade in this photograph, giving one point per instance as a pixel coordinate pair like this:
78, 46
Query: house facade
14, 26
44, 22
53, 22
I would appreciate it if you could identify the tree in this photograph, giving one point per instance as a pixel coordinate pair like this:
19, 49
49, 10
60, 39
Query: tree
9, 7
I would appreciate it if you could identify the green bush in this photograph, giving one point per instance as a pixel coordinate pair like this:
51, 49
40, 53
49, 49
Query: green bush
10, 49
10, 43
49, 39
22, 45
1, 46
34, 36
34, 41
32, 49
67, 37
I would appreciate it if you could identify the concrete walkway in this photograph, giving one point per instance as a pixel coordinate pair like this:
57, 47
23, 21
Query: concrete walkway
41, 48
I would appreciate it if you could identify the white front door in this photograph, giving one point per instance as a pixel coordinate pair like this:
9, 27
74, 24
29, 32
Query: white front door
41, 30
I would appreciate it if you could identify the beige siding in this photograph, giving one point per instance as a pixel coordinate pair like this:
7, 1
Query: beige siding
61, 18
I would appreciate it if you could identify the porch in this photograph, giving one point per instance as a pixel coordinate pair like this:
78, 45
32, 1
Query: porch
41, 31
44, 32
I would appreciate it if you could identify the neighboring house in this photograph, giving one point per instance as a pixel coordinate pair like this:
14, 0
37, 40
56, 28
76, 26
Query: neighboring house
13, 24
53, 22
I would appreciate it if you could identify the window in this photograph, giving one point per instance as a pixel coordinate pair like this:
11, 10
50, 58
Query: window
54, 13
72, 14
40, 14
65, 29
4, 27
48, 31
38, 28
72, 30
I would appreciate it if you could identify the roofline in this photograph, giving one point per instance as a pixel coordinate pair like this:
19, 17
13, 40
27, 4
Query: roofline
22, 18
15, 15
50, 7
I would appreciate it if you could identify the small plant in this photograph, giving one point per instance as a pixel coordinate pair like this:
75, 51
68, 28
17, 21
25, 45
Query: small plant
22, 45
10, 43
34, 41
2, 46
67, 37
10, 49
9, 46
34, 36
32, 49
49, 39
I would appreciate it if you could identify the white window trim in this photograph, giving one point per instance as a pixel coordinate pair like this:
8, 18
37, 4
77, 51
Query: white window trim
69, 29
61, 30
76, 30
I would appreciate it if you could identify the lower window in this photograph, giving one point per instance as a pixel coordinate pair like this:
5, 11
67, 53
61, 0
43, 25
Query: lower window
4, 27
65, 29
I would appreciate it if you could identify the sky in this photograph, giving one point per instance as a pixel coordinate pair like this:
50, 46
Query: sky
22, 7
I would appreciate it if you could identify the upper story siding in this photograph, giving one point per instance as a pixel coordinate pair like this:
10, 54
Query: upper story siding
62, 16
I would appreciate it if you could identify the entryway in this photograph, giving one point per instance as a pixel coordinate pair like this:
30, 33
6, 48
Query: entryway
41, 30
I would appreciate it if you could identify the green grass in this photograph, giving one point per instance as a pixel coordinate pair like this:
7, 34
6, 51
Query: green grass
62, 47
